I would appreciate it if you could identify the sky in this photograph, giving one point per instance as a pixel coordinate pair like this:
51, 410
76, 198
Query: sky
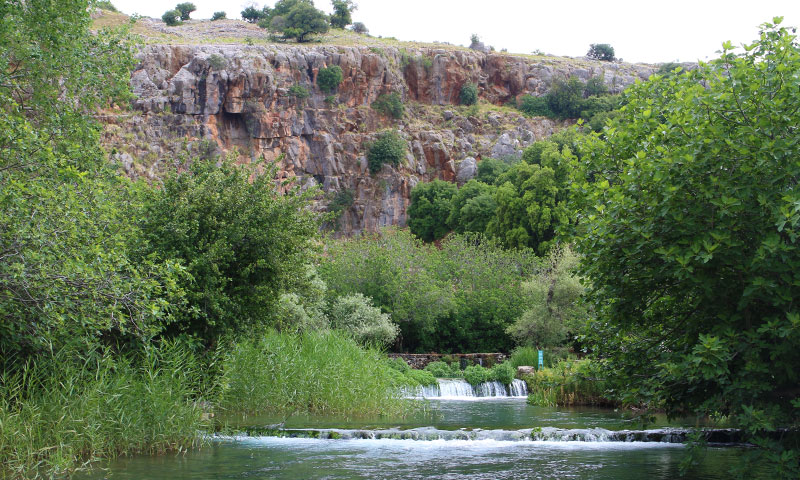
640, 31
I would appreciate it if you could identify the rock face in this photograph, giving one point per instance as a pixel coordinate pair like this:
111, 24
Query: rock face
246, 101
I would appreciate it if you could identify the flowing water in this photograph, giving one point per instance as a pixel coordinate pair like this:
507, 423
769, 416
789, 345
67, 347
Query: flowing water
456, 434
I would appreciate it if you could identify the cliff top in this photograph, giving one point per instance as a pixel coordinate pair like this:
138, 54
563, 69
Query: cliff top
238, 32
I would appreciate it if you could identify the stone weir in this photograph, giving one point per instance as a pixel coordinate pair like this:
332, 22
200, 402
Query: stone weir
263, 102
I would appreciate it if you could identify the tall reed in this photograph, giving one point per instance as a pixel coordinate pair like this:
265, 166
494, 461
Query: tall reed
62, 411
566, 383
316, 373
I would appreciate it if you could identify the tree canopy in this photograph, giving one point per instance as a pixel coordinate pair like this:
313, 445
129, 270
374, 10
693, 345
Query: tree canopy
689, 233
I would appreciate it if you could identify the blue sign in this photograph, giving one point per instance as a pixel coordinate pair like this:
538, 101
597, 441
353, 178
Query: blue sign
541, 358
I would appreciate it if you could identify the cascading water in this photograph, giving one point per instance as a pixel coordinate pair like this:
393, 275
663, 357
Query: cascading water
450, 388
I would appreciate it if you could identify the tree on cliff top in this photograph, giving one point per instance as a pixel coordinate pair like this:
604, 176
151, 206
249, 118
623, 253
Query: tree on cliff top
342, 13
300, 21
690, 238
601, 51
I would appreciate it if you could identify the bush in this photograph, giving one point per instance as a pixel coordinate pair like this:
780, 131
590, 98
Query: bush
567, 383
429, 210
106, 5
219, 16
301, 21
171, 18
298, 91
342, 13
329, 78
595, 86
315, 373
185, 9
468, 94
503, 373
253, 15
389, 104
535, 106
217, 61
444, 370
565, 98
356, 315
422, 377
387, 148
399, 364
359, 27
601, 51
475, 374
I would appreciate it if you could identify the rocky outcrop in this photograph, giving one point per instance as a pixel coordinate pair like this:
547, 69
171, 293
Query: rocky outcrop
248, 101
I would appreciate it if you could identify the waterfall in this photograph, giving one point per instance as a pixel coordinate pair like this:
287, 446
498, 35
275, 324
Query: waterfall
455, 388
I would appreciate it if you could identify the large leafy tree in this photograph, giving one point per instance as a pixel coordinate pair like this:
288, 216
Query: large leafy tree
241, 241
342, 13
690, 237
430, 208
300, 21
65, 273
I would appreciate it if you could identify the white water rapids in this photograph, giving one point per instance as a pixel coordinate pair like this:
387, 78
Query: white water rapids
459, 389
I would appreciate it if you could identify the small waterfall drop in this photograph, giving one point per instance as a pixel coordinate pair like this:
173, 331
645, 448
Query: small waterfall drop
455, 388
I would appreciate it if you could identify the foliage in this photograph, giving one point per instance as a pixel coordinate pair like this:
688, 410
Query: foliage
185, 9
389, 148
171, 18
65, 270
503, 373
567, 383
253, 14
300, 21
329, 78
595, 86
389, 104
342, 200
359, 27
444, 370
317, 373
342, 13
217, 61
355, 315
221, 15
468, 94
105, 5
298, 91
241, 242
690, 237
429, 209
399, 364
531, 198
475, 375
489, 169
472, 207
601, 51
535, 106
62, 410
304, 308
422, 377
565, 98
529, 356
555, 303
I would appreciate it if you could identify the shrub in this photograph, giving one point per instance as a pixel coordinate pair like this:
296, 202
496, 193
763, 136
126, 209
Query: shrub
399, 364
429, 210
301, 21
185, 9
595, 86
524, 356
475, 374
329, 78
342, 13
217, 61
535, 106
565, 98
252, 14
298, 91
342, 200
356, 315
359, 27
468, 94
422, 377
503, 373
314, 372
171, 18
443, 370
389, 104
601, 51
219, 16
106, 5
387, 148
567, 383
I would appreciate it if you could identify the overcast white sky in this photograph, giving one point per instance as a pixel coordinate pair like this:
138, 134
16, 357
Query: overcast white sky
643, 30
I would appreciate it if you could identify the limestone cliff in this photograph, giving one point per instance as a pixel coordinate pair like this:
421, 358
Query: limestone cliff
206, 100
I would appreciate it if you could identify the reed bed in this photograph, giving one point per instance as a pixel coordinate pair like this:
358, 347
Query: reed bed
567, 383
312, 373
63, 411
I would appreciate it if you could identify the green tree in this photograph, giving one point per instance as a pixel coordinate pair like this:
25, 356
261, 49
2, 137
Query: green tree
489, 169
221, 15
65, 271
468, 94
389, 148
254, 15
601, 51
429, 209
565, 98
356, 315
359, 27
342, 13
185, 9
389, 104
171, 18
690, 238
554, 295
472, 207
301, 21
329, 78
241, 242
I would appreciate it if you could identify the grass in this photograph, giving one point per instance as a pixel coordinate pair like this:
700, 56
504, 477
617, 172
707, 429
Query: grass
63, 411
312, 373
529, 356
570, 382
